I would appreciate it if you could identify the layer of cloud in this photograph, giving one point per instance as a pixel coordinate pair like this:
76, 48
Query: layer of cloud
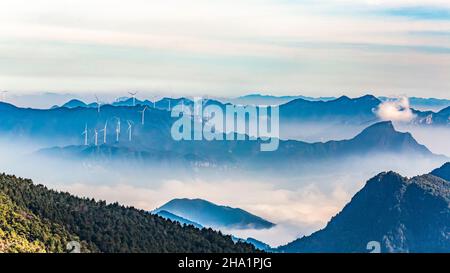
296, 212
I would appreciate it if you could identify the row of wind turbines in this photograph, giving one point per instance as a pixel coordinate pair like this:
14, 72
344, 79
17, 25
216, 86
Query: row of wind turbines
133, 96
118, 128
129, 122
104, 130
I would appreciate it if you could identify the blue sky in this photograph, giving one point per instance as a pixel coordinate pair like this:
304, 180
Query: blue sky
420, 12
226, 48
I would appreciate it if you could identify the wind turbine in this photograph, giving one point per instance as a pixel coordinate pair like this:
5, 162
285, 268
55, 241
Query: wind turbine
118, 130
143, 115
85, 133
98, 104
96, 137
104, 132
155, 98
133, 95
129, 129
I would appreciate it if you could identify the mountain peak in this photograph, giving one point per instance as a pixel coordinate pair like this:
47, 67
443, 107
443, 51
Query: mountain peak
403, 215
384, 137
443, 171
73, 103
207, 213
383, 128
343, 98
5, 105
368, 97
385, 178
445, 110
382, 125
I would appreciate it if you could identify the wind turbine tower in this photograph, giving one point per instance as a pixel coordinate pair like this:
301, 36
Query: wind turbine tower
85, 133
118, 130
96, 137
104, 132
98, 104
143, 115
133, 95
129, 130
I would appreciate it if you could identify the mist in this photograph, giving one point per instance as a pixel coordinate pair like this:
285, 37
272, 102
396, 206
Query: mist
299, 202
318, 131
435, 138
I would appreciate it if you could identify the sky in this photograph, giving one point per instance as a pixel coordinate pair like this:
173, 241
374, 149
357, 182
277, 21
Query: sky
226, 48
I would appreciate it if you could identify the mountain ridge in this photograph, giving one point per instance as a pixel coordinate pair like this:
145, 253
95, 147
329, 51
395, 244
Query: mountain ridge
387, 210
207, 213
442, 172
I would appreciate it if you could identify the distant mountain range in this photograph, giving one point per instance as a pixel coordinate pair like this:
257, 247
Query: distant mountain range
344, 110
47, 99
64, 125
376, 139
356, 111
425, 104
341, 110
380, 138
62, 129
162, 104
209, 214
401, 214
258, 99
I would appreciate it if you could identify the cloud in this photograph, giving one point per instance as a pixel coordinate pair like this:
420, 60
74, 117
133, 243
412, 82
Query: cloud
298, 204
227, 47
395, 110
296, 212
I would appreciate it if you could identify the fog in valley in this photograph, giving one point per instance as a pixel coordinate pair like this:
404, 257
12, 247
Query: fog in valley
299, 202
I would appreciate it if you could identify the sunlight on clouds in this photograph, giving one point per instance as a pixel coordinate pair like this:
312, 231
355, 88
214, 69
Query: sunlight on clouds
227, 47
395, 110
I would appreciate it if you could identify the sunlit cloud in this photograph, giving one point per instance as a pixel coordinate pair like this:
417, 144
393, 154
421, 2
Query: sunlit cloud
395, 110
225, 47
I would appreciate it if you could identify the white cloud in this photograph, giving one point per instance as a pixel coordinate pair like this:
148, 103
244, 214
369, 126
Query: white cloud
296, 212
395, 110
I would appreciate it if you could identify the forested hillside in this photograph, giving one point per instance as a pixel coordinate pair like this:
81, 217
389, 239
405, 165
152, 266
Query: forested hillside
100, 226
22, 231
